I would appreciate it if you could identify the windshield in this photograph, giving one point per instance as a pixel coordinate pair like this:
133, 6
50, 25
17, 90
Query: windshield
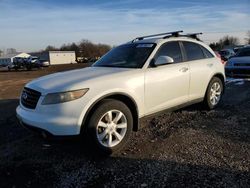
243, 52
126, 56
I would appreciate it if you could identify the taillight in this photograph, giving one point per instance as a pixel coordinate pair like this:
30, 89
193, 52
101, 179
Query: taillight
223, 62
219, 56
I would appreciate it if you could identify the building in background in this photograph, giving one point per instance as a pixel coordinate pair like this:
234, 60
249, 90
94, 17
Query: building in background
62, 57
57, 57
8, 59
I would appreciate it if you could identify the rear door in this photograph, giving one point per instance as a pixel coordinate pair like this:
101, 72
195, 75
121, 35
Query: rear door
167, 85
201, 64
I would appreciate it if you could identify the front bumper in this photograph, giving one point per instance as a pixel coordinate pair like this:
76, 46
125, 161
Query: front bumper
41, 132
53, 122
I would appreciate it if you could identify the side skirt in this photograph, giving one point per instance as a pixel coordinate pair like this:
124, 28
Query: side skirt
142, 119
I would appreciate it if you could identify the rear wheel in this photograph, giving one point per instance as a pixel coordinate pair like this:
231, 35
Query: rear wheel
213, 93
110, 126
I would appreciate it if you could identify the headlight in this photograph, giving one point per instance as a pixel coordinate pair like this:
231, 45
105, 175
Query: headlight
54, 98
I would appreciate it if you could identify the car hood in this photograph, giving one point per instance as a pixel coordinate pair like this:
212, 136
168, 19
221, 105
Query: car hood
71, 80
240, 59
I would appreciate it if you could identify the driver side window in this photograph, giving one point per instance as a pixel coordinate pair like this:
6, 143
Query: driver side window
171, 49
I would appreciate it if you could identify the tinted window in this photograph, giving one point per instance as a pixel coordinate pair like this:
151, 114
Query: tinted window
206, 52
171, 49
193, 51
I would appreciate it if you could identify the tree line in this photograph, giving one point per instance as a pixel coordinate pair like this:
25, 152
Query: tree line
84, 48
228, 41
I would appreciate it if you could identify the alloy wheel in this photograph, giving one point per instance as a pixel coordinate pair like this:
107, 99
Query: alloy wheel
215, 93
111, 128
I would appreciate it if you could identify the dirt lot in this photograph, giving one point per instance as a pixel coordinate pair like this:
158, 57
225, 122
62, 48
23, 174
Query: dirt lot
186, 148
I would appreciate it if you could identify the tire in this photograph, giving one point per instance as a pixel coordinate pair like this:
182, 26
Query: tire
103, 123
213, 94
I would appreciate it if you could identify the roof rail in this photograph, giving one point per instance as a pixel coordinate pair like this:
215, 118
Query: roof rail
170, 34
173, 33
192, 35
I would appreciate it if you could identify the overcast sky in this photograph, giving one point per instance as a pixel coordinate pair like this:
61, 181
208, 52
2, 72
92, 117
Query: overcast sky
30, 25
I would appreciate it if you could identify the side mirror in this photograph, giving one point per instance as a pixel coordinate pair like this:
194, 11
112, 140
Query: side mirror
163, 60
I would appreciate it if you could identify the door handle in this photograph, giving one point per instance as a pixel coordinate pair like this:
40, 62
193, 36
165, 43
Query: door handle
183, 69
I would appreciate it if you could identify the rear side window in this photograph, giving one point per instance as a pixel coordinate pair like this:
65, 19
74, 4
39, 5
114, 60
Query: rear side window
206, 52
171, 49
193, 51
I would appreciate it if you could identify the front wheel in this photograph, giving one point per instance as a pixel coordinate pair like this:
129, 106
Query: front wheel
110, 126
213, 93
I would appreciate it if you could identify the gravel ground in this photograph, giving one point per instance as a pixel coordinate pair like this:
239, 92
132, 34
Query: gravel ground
186, 148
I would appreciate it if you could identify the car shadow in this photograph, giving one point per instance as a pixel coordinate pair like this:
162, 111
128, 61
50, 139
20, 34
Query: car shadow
9, 129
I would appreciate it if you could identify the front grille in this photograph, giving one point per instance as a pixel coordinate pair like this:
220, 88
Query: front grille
29, 98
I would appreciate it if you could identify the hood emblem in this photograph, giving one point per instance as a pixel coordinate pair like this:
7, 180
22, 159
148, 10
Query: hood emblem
24, 95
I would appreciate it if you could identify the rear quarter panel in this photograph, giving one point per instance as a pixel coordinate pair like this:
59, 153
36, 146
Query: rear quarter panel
201, 72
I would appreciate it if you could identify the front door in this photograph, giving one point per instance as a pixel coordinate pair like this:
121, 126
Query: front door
167, 86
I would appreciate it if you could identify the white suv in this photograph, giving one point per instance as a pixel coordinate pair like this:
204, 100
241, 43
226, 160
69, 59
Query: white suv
134, 80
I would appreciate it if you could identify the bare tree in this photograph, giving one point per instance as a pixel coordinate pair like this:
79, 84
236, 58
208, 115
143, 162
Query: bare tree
70, 47
50, 48
88, 49
225, 42
102, 49
215, 46
84, 48
229, 41
248, 37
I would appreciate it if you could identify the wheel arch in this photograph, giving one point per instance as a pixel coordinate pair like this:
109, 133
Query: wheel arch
218, 75
125, 98
221, 77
